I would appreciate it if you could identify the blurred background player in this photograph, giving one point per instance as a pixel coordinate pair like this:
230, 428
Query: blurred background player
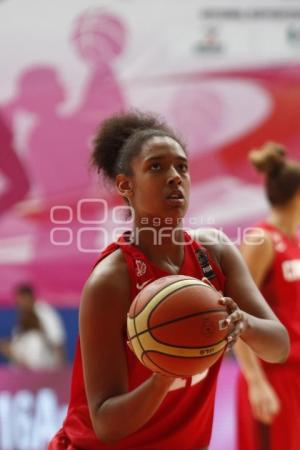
16, 182
38, 339
269, 395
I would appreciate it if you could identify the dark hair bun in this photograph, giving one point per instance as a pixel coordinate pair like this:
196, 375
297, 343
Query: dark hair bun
268, 159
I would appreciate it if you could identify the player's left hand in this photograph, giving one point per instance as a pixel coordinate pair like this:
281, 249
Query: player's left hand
237, 320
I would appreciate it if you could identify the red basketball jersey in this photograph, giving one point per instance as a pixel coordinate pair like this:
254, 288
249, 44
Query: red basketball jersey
184, 419
281, 287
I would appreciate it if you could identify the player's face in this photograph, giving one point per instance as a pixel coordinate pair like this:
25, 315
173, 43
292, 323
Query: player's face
24, 302
160, 181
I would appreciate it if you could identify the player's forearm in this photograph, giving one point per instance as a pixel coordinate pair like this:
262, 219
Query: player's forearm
249, 363
269, 339
124, 414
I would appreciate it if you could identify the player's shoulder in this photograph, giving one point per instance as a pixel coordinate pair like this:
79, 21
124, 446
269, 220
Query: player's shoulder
208, 236
258, 240
109, 281
212, 239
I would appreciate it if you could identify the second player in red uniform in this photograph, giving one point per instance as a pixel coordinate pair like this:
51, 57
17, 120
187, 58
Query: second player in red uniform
269, 394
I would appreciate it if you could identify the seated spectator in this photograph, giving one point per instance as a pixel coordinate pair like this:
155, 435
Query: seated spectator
38, 339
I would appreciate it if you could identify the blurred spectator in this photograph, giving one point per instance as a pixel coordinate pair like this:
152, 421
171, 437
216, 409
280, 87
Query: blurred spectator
38, 339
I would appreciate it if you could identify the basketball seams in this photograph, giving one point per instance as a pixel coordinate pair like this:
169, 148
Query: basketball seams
189, 282
158, 297
177, 350
186, 347
153, 351
179, 356
178, 319
180, 347
166, 298
134, 325
162, 369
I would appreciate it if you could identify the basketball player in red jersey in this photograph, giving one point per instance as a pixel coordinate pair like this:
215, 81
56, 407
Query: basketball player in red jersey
269, 395
115, 401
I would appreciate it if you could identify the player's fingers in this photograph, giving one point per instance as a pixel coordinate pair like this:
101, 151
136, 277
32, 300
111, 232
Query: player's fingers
267, 413
236, 316
206, 280
229, 303
274, 406
277, 406
261, 414
267, 410
234, 335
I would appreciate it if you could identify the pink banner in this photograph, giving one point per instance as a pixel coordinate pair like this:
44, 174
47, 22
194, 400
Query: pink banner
33, 406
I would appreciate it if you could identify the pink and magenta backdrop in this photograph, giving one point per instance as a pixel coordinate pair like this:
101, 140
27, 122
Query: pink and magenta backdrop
226, 83
33, 405
67, 67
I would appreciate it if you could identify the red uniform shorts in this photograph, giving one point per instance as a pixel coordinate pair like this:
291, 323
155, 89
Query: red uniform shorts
284, 432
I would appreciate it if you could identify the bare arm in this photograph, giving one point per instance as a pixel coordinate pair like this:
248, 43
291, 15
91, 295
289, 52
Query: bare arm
266, 336
258, 254
261, 331
115, 412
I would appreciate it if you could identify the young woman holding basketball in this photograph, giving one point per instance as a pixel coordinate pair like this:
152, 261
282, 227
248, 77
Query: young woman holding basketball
115, 401
269, 395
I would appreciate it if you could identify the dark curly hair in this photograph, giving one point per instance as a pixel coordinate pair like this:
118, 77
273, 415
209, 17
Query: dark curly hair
120, 138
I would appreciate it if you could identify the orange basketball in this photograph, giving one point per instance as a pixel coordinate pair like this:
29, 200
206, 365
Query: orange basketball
175, 326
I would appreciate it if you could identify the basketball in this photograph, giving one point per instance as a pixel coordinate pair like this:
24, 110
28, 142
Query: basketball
99, 36
175, 326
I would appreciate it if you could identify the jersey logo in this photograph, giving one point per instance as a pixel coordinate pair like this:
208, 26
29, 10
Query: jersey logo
203, 259
279, 244
142, 285
180, 383
291, 270
141, 267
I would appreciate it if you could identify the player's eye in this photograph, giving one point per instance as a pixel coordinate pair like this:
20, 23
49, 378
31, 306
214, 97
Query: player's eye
155, 167
183, 167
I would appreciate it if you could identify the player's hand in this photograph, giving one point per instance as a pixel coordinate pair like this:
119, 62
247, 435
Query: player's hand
264, 401
163, 379
237, 320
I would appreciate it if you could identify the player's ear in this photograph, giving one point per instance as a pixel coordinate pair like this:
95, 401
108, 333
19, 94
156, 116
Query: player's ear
124, 185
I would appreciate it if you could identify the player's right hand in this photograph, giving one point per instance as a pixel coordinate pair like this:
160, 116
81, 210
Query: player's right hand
264, 401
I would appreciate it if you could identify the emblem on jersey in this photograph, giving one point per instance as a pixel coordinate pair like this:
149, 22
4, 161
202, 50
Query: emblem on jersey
279, 244
180, 383
208, 271
291, 270
142, 285
141, 267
